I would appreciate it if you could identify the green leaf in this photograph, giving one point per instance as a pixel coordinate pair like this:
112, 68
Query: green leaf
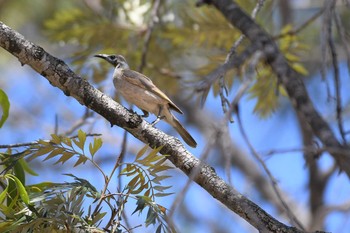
128, 170
26, 167
136, 191
161, 188
56, 139
159, 178
162, 194
3, 195
67, 141
159, 228
40, 187
141, 152
154, 153
147, 192
151, 217
81, 159
298, 67
93, 148
5, 105
43, 150
65, 156
54, 153
291, 57
141, 203
82, 137
133, 181
161, 168
44, 143
98, 217
19, 172
20, 188
79, 144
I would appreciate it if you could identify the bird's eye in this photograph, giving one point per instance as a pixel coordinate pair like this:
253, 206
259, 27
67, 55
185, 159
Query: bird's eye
112, 57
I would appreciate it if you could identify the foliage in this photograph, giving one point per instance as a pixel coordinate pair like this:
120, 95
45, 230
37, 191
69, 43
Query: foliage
91, 29
5, 105
147, 181
266, 88
61, 207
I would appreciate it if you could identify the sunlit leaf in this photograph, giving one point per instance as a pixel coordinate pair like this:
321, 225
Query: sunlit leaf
159, 178
151, 216
54, 153
27, 168
298, 67
141, 152
94, 147
55, 139
82, 137
20, 188
43, 150
3, 195
5, 105
162, 194
81, 159
133, 181
65, 157
161, 188
19, 172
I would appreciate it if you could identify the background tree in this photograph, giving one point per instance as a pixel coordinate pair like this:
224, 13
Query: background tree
283, 151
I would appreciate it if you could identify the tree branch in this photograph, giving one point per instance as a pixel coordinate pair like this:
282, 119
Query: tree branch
61, 76
287, 76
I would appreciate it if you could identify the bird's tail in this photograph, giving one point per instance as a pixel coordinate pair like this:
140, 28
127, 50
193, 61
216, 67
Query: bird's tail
183, 132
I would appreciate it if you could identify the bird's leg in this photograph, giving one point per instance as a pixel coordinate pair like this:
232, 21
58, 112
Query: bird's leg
159, 117
145, 113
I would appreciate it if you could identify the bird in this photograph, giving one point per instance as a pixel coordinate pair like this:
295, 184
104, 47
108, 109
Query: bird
139, 90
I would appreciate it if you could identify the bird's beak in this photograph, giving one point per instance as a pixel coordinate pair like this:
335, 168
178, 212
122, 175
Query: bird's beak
103, 56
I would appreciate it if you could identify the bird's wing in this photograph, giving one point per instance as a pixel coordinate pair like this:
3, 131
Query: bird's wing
143, 81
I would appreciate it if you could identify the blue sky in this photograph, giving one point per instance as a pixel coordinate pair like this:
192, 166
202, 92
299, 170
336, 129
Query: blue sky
35, 103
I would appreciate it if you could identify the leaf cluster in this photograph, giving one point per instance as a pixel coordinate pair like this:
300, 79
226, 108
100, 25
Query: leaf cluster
145, 178
266, 89
5, 106
46, 206
65, 148
49, 206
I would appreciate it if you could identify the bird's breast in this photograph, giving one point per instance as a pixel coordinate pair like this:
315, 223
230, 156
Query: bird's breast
139, 96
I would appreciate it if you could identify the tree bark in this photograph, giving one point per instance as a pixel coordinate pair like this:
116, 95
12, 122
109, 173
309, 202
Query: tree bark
62, 77
287, 76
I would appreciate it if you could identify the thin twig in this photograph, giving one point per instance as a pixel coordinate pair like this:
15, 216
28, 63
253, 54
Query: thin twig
301, 27
109, 178
223, 89
82, 121
324, 47
181, 195
290, 214
329, 11
246, 83
344, 40
233, 49
339, 110
120, 161
36, 142
154, 18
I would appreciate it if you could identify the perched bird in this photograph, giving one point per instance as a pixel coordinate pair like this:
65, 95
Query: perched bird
139, 90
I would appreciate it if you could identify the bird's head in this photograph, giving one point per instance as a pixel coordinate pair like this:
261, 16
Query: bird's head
116, 60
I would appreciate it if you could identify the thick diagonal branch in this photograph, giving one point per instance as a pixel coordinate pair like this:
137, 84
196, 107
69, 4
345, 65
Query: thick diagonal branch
61, 76
288, 77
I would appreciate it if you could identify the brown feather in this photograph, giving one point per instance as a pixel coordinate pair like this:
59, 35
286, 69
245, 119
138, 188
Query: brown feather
146, 83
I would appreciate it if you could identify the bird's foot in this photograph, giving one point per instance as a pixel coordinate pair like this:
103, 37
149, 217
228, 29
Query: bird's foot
145, 114
157, 120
